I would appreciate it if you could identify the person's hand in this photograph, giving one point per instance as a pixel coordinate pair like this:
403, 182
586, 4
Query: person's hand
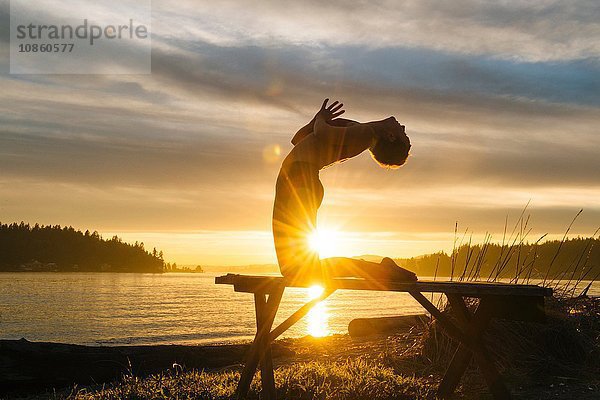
330, 112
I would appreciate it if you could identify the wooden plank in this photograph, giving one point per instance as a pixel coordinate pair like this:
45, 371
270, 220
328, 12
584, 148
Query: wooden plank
268, 284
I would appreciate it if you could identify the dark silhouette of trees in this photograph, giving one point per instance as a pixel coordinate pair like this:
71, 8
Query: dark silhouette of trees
55, 248
577, 258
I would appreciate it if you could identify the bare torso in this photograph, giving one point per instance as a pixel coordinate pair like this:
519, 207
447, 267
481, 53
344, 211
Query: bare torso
298, 196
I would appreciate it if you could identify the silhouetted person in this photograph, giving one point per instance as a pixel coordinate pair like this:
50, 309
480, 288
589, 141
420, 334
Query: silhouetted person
324, 141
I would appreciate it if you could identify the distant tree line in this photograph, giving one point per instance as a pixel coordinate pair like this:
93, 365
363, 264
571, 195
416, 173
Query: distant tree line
54, 248
577, 258
175, 268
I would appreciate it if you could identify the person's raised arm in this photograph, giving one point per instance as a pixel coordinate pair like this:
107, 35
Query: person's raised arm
341, 132
303, 132
330, 112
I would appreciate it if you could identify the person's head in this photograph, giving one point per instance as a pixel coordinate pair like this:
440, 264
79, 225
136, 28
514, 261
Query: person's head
391, 145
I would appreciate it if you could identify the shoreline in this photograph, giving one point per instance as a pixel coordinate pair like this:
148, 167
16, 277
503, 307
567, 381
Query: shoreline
414, 357
30, 368
46, 365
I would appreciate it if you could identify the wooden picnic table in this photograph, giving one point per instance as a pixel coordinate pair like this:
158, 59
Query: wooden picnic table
496, 300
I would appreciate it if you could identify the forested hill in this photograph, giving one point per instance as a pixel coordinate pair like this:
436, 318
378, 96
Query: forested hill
55, 248
577, 258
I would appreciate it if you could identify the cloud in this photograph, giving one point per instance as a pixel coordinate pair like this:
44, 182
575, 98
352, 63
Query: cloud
501, 104
126, 208
200, 110
542, 31
251, 71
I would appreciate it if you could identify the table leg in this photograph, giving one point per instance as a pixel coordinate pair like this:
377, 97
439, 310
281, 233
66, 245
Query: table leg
470, 345
251, 361
452, 330
265, 357
260, 350
476, 327
459, 308
490, 373
459, 364
455, 371
462, 357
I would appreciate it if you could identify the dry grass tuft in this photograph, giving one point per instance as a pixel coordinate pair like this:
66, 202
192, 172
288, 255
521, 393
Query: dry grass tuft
565, 348
351, 379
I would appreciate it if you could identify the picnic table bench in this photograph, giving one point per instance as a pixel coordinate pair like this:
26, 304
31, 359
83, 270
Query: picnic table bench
496, 300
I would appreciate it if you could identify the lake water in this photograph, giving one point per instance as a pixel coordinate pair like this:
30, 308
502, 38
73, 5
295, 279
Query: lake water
131, 309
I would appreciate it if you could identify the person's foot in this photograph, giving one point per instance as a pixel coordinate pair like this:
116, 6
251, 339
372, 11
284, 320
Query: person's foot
396, 273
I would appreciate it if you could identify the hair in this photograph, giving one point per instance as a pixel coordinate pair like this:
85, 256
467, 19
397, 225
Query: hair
390, 154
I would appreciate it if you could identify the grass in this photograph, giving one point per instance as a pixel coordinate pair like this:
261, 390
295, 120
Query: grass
351, 379
566, 346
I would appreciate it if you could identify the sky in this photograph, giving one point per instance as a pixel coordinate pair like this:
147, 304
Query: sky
501, 101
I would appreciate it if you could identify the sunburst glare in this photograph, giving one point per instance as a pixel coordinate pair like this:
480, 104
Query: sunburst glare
326, 242
315, 291
318, 317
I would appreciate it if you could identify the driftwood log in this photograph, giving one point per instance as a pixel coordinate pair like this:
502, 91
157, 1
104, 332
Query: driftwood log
377, 326
26, 367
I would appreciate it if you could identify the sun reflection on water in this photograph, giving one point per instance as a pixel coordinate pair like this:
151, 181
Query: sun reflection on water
318, 317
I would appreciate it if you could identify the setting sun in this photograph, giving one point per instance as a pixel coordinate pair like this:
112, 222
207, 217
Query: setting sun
326, 242
315, 291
